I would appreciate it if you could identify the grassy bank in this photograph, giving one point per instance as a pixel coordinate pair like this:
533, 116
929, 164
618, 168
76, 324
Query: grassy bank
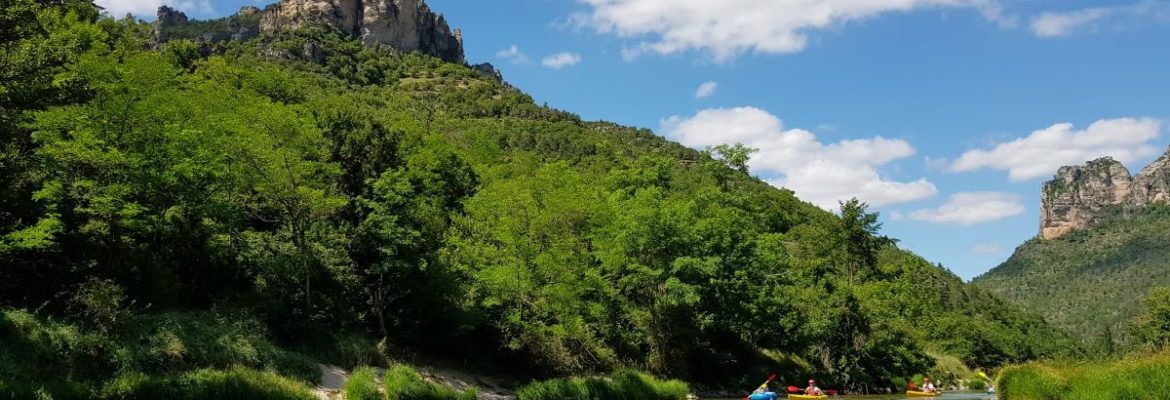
620, 385
222, 355
1139, 377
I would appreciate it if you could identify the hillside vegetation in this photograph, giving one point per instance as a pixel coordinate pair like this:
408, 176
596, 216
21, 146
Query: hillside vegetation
179, 215
1091, 282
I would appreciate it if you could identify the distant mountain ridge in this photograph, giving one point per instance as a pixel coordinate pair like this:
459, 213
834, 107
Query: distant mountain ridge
1104, 243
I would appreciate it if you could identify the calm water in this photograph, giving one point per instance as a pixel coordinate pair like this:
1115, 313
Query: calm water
947, 396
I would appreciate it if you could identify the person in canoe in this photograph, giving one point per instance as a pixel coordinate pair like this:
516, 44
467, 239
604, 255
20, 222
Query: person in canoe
927, 386
812, 389
763, 394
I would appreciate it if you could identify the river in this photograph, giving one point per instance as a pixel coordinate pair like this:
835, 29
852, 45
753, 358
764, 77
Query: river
945, 396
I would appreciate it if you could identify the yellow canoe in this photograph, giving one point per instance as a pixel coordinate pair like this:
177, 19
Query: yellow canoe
913, 393
806, 397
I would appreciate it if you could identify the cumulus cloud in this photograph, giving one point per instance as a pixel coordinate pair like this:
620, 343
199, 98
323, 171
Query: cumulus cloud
706, 90
148, 8
561, 60
1046, 150
820, 173
988, 248
727, 28
972, 208
513, 54
1058, 24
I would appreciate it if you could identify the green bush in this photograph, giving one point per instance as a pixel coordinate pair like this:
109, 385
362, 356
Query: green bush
361, 385
404, 383
236, 383
621, 385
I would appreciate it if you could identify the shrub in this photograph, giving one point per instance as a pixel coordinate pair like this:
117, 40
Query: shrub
361, 385
404, 383
621, 385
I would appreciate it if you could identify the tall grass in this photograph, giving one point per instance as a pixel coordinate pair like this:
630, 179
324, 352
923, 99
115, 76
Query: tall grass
362, 385
621, 385
1133, 378
404, 383
70, 361
233, 384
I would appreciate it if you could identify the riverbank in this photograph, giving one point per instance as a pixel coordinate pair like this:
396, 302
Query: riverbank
1136, 377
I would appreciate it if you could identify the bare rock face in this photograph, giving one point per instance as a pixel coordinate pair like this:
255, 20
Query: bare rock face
408, 25
1152, 185
1076, 196
167, 17
1073, 199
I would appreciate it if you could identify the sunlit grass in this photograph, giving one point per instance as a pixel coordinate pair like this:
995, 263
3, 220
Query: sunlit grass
1134, 378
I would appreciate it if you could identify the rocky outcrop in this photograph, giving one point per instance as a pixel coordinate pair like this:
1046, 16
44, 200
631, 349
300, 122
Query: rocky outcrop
1078, 195
167, 18
173, 24
1152, 185
489, 70
408, 25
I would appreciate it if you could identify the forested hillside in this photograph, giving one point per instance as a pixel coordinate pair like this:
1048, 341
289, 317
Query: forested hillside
178, 213
1091, 282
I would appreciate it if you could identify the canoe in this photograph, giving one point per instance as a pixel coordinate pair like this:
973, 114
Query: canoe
913, 393
806, 397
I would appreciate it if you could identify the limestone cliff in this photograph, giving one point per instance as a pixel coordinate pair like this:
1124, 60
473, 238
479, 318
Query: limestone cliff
1078, 194
167, 18
408, 25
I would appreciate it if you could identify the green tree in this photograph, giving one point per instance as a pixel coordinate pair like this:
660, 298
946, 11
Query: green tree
1154, 325
861, 240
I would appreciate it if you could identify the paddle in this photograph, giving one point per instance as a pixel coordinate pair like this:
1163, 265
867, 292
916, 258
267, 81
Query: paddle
764, 386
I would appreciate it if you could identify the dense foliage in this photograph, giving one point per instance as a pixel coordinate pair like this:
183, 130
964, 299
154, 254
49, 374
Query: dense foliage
325, 189
1153, 326
1091, 282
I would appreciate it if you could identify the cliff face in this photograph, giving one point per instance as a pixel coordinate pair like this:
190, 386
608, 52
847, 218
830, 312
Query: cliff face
1077, 195
166, 18
408, 25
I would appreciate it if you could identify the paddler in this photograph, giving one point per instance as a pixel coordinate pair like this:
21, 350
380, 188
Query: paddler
927, 386
812, 389
763, 394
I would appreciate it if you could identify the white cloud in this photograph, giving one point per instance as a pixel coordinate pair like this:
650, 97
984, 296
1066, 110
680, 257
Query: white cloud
561, 60
988, 248
972, 208
1058, 24
148, 8
1046, 150
706, 90
820, 173
727, 28
513, 54
1052, 24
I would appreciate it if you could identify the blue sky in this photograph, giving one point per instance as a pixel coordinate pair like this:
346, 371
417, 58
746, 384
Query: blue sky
946, 115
